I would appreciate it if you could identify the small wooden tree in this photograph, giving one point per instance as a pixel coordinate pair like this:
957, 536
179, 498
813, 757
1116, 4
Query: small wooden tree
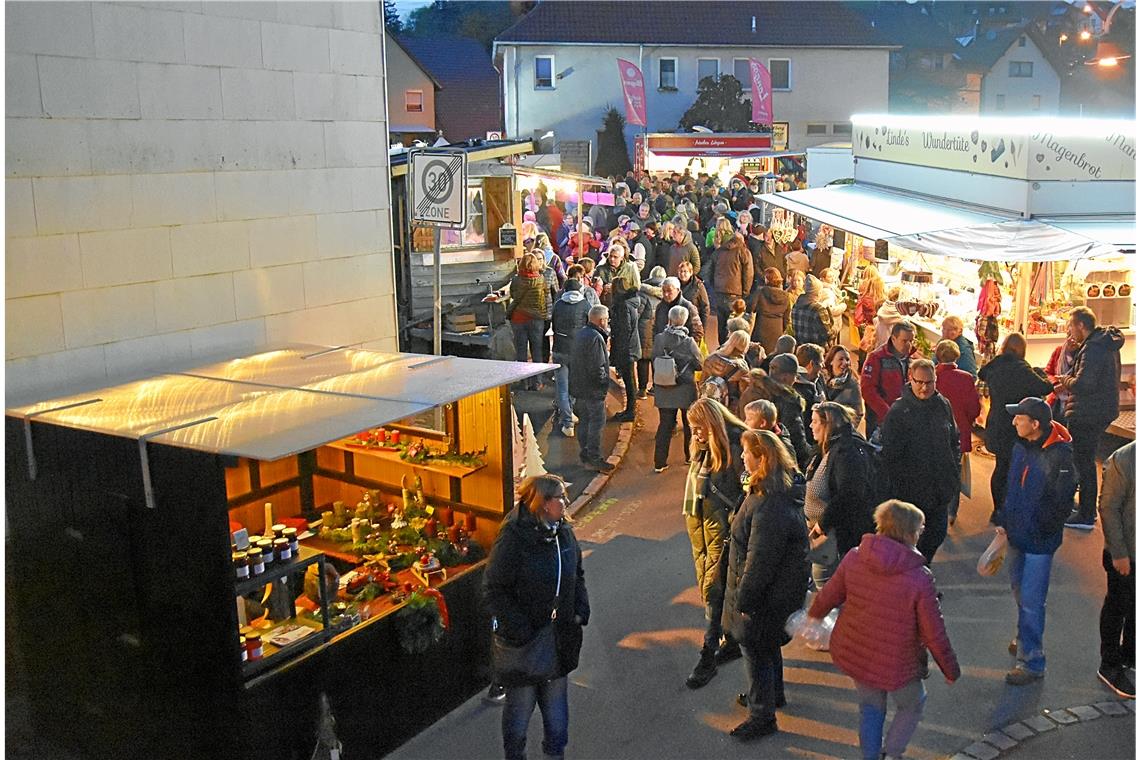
532, 463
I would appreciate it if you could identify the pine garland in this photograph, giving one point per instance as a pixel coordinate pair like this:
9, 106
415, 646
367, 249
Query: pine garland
419, 623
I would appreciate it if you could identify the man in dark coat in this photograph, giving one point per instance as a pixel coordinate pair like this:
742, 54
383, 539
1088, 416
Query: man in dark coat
670, 297
570, 314
777, 388
589, 383
625, 341
1093, 383
920, 453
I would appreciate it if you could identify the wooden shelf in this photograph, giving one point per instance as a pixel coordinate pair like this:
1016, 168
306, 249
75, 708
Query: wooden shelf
450, 470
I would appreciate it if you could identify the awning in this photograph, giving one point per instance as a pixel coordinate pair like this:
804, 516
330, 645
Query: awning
1113, 231
876, 214
1010, 241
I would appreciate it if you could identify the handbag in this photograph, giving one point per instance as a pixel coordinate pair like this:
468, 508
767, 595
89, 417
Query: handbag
528, 663
822, 549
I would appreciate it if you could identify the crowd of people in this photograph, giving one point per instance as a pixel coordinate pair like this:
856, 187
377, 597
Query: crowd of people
811, 466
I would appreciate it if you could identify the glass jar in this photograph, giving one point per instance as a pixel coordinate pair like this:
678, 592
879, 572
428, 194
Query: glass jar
290, 535
241, 565
256, 560
284, 553
253, 647
266, 547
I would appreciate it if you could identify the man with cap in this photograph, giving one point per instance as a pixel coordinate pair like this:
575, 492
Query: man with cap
1039, 495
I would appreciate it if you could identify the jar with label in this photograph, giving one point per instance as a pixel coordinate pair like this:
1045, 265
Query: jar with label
290, 535
244, 653
253, 648
278, 530
241, 565
266, 547
284, 553
256, 560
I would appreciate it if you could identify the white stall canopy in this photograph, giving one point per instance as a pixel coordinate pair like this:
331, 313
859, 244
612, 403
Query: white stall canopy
1010, 241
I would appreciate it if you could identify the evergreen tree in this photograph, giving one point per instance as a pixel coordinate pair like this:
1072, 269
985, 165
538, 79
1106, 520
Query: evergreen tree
392, 17
613, 156
720, 106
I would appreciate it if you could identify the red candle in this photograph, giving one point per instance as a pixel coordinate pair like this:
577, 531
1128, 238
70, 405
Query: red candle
394, 437
453, 534
407, 587
445, 515
431, 527
469, 522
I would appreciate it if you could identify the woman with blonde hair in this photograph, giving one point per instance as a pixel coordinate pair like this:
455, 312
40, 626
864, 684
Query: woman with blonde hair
728, 362
891, 617
534, 579
712, 494
796, 282
768, 574
529, 293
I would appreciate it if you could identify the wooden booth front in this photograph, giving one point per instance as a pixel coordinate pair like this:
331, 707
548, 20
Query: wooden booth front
168, 538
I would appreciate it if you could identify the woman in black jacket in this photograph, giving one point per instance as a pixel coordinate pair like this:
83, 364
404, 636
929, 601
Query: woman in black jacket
1009, 379
839, 503
626, 310
712, 495
768, 574
534, 578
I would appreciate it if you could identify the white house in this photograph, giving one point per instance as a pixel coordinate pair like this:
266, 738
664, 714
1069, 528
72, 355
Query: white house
1016, 76
184, 179
560, 73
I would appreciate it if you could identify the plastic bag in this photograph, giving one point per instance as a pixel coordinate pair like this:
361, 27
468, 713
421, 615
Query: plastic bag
816, 634
994, 555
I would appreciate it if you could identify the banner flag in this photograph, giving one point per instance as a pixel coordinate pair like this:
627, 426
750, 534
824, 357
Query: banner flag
633, 88
761, 92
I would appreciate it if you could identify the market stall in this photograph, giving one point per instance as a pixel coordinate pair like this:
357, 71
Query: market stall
201, 555
721, 154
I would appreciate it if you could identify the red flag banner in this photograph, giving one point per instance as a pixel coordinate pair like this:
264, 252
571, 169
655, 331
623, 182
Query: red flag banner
633, 88
761, 92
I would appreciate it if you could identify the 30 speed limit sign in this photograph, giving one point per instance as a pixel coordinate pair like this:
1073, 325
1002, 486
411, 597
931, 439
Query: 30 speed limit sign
437, 188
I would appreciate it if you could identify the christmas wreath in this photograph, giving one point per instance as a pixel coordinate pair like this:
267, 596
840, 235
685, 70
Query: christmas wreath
422, 621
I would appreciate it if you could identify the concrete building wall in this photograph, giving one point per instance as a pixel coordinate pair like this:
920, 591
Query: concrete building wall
404, 74
189, 178
1021, 95
589, 83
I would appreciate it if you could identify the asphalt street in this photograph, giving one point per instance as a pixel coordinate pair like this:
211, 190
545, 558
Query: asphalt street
628, 698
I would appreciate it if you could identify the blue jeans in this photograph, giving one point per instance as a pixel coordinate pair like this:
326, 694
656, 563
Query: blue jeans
1029, 577
591, 418
562, 390
550, 696
909, 701
528, 334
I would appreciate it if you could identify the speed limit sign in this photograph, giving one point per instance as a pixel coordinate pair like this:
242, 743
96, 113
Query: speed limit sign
437, 188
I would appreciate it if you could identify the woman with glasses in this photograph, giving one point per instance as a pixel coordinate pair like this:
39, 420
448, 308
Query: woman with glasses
534, 579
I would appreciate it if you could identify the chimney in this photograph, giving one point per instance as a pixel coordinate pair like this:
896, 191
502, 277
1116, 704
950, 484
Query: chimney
754, 25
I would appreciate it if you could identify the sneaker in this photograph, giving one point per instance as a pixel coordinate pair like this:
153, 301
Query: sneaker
753, 728
704, 671
600, 465
1020, 676
568, 431
1080, 523
496, 695
728, 652
662, 468
1116, 678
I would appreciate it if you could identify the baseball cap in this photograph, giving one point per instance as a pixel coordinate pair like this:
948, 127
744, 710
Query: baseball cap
1034, 407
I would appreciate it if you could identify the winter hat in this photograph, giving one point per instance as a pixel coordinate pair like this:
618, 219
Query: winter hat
528, 216
657, 273
812, 287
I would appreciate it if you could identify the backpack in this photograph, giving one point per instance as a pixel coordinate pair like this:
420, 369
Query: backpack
665, 370
878, 484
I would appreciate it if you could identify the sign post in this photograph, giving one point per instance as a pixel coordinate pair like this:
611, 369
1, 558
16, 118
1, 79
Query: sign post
437, 197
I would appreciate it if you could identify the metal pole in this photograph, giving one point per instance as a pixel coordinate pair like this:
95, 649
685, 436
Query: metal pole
437, 305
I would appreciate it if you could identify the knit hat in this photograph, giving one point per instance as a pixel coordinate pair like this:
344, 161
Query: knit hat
812, 287
657, 273
572, 284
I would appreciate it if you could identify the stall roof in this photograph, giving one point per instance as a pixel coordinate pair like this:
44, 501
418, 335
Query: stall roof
1113, 231
1010, 241
278, 403
585, 179
476, 150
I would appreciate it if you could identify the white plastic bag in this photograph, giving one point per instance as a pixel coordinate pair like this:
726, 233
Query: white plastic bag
816, 634
994, 555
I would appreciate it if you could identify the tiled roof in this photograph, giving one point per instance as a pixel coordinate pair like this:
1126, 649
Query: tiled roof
790, 23
983, 52
467, 103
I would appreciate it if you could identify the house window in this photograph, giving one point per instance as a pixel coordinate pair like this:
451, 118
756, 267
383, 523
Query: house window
841, 129
781, 70
817, 129
938, 63
742, 72
999, 102
414, 101
667, 74
1021, 41
474, 235
1021, 68
544, 72
1036, 102
707, 67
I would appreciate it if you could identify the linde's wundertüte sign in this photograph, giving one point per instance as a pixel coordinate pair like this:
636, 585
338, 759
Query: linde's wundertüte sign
1026, 149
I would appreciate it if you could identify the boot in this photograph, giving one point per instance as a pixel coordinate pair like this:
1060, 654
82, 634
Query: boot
704, 671
728, 651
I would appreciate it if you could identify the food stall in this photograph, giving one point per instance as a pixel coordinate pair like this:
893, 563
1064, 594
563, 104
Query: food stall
200, 558
718, 154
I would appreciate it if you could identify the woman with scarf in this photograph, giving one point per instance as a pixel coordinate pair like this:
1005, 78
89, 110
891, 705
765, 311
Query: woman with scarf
841, 385
768, 574
529, 292
712, 494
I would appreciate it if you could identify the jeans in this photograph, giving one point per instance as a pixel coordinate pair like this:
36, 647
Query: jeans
935, 532
1029, 578
1086, 435
909, 701
550, 696
664, 438
1118, 618
546, 323
999, 481
528, 335
628, 378
562, 390
764, 667
591, 417
821, 574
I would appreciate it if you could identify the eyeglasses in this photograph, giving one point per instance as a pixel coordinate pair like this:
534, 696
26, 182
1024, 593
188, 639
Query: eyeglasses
923, 383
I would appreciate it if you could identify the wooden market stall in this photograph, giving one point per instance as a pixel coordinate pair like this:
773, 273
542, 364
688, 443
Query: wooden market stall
135, 599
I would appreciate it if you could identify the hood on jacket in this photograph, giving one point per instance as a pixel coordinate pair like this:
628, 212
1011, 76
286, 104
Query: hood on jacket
652, 289
680, 330
572, 296
774, 296
1106, 339
656, 275
1057, 434
886, 556
889, 311
523, 522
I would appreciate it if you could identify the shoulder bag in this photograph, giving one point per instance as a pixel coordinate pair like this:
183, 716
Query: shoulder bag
537, 659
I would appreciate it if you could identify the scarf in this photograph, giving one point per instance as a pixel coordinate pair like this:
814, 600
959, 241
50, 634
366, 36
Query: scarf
837, 383
696, 483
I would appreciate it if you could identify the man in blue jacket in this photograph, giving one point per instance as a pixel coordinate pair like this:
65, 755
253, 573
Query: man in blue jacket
1038, 498
589, 384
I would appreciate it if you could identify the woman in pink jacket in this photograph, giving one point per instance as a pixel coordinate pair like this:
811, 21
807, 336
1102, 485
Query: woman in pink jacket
890, 618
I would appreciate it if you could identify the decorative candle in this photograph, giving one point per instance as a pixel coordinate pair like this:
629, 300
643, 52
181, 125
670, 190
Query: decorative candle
430, 527
268, 518
445, 515
327, 520
394, 437
453, 534
469, 522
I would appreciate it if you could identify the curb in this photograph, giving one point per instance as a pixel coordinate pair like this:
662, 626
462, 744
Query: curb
621, 446
993, 743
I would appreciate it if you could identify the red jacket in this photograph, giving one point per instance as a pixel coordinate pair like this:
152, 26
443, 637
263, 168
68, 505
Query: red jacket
957, 385
883, 378
890, 613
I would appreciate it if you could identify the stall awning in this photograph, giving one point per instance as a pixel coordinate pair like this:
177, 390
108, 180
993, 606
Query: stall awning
876, 214
1117, 232
277, 403
1011, 241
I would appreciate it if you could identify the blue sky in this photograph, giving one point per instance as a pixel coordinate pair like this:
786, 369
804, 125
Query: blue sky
405, 7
